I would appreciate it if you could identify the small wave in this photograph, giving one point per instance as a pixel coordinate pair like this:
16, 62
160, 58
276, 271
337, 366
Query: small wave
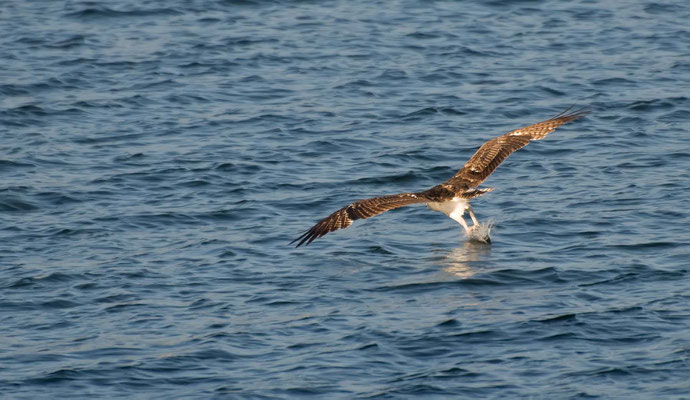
59, 304
651, 105
56, 198
105, 12
422, 287
409, 176
646, 246
44, 279
676, 116
615, 82
661, 8
423, 35
71, 42
449, 323
559, 318
64, 374
420, 113
552, 91
9, 165
11, 203
514, 276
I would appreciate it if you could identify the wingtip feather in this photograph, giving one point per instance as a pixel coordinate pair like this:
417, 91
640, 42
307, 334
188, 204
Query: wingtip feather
301, 238
574, 114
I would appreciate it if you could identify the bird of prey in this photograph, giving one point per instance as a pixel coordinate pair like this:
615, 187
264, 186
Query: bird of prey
453, 196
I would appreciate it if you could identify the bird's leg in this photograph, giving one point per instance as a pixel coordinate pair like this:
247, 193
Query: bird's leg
458, 217
485, 235
474, 218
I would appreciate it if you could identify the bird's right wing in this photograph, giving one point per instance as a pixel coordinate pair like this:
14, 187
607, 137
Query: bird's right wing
492, 153
359, 209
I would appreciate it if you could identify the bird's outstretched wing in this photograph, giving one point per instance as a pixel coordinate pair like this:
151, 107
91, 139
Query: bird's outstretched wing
493, 152
359, 209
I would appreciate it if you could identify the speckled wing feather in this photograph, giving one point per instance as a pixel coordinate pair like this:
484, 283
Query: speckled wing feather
495, 151
359, 209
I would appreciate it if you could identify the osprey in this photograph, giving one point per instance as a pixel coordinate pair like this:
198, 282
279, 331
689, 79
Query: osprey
453, 196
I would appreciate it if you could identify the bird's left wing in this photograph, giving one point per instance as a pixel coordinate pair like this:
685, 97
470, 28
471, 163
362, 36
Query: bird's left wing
359, 209
492, 153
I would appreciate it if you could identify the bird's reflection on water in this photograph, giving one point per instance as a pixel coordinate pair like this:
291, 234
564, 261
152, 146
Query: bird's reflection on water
459, 261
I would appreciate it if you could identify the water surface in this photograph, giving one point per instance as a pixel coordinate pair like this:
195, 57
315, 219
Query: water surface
156, 158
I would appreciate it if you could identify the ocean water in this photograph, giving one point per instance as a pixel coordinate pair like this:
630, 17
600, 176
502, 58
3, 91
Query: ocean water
157, 157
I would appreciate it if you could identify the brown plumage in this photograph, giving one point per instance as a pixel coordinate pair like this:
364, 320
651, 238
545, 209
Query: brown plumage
359, 209
496, 150
461, 186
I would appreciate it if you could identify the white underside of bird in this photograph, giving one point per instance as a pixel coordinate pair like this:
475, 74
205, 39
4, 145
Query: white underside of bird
455, 209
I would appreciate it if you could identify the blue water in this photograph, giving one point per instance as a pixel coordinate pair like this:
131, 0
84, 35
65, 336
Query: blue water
157, 157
